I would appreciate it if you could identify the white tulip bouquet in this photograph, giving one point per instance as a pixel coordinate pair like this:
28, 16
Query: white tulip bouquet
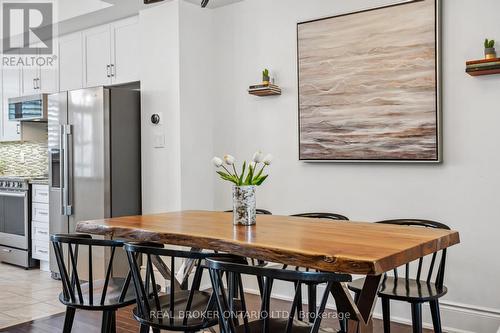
249, 175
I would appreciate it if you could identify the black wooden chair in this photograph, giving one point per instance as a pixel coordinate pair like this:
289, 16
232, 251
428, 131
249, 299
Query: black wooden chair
106, 295
415, 291
230, 320
328, 216
311, 288
184, 308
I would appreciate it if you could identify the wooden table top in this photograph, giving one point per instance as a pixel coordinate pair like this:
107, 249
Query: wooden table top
343, 246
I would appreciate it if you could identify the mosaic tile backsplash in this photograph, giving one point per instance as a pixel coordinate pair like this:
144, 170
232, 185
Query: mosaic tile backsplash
36, 159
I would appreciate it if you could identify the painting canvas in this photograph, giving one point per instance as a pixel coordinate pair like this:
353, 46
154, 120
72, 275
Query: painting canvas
368, 85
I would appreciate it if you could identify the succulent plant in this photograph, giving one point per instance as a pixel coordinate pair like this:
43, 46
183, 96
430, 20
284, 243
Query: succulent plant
489, 44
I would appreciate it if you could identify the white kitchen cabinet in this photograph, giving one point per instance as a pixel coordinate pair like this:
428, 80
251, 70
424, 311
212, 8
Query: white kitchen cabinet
103, 55
11, 87
71, 62
98, 56
40, 225
37, 79
30, 80
125, 36
48, 80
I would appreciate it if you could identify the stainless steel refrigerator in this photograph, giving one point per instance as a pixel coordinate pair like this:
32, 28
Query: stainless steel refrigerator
94, 157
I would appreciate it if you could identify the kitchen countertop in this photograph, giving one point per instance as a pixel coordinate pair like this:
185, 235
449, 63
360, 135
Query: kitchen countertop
39, 181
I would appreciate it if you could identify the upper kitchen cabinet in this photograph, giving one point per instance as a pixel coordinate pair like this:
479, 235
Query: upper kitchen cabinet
98, 56
30, 76
111, 53
11, 87
39, 79
126, 55
71, 62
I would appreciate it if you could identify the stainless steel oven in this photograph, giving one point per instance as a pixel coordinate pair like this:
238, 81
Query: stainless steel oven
15, 225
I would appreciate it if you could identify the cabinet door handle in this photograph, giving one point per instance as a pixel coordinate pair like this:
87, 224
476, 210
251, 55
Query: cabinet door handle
113, 70
108, 70
34, 84
43, 232
43, 251
38, 83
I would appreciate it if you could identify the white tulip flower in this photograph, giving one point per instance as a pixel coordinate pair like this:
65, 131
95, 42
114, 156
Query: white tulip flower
268, 159
229, 159
217, 161
257, 157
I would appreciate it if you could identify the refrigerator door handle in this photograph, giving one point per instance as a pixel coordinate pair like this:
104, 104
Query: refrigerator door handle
69, 182
62, 168
68, 211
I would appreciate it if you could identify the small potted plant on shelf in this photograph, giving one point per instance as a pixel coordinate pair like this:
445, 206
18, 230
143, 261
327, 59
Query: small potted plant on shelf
244, 184
489, 49
265, 76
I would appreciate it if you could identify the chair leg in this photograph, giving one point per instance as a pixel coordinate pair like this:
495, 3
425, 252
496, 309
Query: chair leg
386, 312
436, 316
107, 322
343, 325
68, 319
113, 322
416, 316
311, 303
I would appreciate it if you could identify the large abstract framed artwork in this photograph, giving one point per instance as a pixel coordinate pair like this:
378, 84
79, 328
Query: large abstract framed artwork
369, 85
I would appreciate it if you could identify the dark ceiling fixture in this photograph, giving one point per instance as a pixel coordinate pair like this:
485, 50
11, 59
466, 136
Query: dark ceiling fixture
204, 3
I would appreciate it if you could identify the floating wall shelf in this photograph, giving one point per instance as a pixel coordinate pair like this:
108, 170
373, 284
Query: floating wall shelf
483, 67
264, 90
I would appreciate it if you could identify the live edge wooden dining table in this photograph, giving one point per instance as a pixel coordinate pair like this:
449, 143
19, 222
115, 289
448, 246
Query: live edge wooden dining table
368, 249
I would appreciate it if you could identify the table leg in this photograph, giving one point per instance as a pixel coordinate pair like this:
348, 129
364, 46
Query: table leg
182, 276
362, 311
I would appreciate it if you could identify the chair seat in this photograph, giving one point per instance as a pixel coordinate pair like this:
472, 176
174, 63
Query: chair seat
112, 296
198, 320
404, 290
279, 326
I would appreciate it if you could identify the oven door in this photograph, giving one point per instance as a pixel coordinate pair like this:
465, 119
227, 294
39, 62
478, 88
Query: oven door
14, 226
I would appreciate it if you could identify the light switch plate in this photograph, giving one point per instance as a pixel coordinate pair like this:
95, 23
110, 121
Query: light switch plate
159, 141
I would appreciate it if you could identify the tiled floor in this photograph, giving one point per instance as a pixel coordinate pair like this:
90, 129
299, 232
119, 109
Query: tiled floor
26, 295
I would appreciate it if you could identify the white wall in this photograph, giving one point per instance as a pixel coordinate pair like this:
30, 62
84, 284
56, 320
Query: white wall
208, 111
160, 94
197, 99
176, 82
463, 192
